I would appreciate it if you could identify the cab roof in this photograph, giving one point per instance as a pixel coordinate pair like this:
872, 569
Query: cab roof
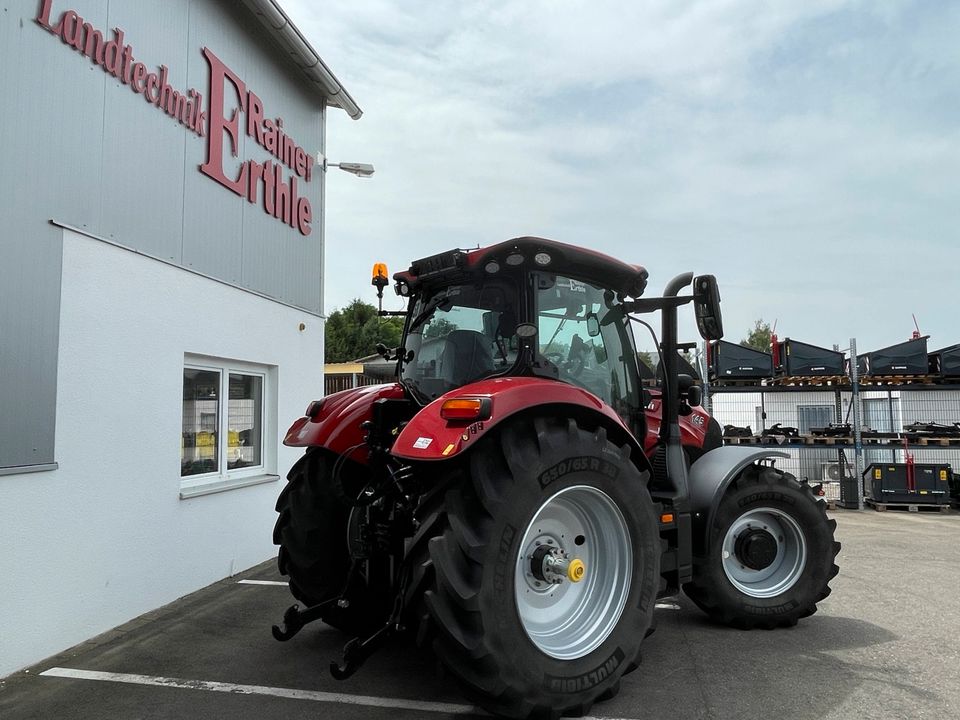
531, 254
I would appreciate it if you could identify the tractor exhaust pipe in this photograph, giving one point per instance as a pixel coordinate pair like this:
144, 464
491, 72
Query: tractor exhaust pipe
670, 423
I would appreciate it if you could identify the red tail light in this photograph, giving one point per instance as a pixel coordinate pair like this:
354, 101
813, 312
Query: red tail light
313, 409
466, 409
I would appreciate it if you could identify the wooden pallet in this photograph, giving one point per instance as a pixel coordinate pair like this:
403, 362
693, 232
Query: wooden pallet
828, 439
899, 379
809, 381
731, 382
910, 507
881, 439
924, 441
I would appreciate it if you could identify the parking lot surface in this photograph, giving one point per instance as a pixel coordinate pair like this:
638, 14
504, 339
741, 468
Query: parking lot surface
885, 644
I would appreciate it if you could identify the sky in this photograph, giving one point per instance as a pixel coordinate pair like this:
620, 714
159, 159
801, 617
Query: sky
806, 153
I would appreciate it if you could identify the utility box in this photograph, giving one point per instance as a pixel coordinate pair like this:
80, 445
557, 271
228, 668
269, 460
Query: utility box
799, 359
946, 362
729, 361
891, 483
906, 358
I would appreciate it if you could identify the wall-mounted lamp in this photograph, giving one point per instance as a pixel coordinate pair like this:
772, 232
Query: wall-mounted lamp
358, 169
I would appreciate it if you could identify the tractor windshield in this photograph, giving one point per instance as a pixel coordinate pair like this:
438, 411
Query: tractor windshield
588, 348
459, 334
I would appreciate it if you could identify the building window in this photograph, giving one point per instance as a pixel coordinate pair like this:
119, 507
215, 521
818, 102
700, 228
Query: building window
244, 421
201, 428
223, 434
814, 416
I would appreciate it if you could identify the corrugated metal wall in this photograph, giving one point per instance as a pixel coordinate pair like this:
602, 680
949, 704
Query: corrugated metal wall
80, 147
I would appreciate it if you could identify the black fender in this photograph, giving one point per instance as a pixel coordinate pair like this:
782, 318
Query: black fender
709, 478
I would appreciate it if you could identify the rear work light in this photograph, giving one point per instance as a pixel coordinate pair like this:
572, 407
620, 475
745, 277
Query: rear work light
466, 409
313, 409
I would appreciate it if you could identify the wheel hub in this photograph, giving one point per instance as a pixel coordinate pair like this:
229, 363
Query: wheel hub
573, 572
764, 552
756, 548
551, 564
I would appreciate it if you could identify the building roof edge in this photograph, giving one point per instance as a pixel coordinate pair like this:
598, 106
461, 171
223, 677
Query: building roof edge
281, 27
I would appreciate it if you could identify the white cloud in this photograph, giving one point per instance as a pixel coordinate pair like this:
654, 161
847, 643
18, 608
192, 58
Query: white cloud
806, 153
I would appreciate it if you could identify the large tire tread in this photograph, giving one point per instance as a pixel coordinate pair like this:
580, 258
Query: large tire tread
311, 532
705, 590
453, 607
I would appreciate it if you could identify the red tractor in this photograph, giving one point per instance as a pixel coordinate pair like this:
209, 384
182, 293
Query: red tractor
517, 500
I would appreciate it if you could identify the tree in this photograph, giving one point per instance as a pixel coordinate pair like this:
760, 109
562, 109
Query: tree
759, 338
354, 331
438, 327
648, 359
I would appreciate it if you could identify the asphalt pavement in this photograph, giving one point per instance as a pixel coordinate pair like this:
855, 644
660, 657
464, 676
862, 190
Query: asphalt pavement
883, 645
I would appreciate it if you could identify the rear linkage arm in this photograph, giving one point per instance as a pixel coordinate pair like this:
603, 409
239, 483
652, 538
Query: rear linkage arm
294, 618
357, 650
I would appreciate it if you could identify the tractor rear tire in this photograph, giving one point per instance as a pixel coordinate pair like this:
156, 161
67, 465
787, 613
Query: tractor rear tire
770, 553
523, 644
312, 534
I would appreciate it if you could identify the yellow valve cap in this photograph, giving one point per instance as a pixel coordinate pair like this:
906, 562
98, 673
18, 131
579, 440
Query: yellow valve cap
576, 570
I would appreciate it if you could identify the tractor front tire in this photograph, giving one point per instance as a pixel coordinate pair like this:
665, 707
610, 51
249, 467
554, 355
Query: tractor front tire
311, 531
524, 643
770, 553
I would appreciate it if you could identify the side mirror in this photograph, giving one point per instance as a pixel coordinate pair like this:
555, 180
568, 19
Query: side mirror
706, 305
593, 325
526, 334
526, 331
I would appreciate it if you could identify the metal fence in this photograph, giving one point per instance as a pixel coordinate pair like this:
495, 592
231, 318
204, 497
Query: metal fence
838, 462
335, 382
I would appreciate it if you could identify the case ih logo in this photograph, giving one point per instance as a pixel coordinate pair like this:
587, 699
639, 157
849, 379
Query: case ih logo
260, 183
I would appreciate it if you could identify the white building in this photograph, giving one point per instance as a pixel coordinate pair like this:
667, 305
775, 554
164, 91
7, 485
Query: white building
160, 300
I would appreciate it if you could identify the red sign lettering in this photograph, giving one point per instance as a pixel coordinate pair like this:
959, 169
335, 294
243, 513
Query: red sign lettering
229, 99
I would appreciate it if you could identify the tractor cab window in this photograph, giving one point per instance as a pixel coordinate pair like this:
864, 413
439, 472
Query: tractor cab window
458, 335
586, 352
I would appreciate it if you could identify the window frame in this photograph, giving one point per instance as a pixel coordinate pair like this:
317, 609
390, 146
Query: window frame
223, 478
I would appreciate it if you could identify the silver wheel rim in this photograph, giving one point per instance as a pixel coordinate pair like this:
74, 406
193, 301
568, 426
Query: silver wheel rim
788, 563
568, 620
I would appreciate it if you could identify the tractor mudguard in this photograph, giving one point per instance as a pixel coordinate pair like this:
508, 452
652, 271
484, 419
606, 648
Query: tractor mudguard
428, 436
337, 426
709, 478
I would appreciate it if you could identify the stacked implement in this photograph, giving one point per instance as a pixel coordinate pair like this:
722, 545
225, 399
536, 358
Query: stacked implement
793, 358
906, 358
908, 484
729, 361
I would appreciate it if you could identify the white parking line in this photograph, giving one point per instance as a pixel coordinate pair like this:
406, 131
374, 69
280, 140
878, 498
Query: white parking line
261, 582
291, 693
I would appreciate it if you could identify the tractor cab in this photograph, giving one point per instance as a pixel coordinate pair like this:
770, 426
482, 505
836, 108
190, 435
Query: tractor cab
468, 311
